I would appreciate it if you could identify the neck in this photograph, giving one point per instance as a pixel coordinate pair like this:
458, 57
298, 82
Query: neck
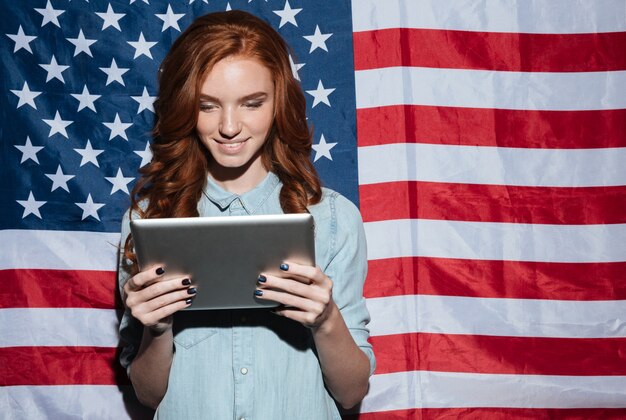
238, 180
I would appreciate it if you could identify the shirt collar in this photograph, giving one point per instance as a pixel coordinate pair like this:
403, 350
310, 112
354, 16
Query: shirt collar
251, 200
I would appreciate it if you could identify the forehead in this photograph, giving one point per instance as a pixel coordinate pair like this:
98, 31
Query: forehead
237, 76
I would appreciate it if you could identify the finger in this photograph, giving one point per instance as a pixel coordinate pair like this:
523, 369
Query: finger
305, 318
162, 287
303, 273
146, 277
169, 298
152, 318
293, 287
144, 308
290, 300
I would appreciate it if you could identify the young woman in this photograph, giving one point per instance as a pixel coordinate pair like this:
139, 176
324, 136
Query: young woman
231, 138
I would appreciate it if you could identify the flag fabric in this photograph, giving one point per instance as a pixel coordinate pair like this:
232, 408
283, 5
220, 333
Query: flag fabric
484, 143
492, 180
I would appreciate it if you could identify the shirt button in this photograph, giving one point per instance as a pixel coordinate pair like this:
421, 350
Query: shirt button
243, 371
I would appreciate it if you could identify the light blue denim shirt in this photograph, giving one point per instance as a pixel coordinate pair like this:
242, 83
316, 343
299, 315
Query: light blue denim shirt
252, 364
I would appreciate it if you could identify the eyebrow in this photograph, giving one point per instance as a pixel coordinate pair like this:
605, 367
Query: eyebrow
255, 95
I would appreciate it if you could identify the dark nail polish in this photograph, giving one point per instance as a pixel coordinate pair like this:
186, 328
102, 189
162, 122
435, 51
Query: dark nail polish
160, 271
192, 291
258, 292
186, 282
262, 279
284, 267
189, 301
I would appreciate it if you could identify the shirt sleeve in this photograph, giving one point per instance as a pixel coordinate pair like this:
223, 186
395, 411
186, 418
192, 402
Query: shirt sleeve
348, 268
131, 330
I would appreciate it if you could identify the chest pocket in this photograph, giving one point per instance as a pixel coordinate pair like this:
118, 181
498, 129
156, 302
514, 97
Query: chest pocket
193, 327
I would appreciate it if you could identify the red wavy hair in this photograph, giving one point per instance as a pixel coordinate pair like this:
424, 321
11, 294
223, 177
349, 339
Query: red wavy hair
171, 185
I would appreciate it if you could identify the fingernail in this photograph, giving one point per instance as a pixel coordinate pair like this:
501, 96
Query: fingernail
284, 267
262, 279
160, 271
189, 301
192, 291
258, 292
186, 282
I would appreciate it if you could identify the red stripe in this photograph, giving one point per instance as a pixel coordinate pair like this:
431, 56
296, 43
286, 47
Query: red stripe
499, 51
58, 289
60, 366
492, 203
491, 127
493, 413
500, 355
495, 279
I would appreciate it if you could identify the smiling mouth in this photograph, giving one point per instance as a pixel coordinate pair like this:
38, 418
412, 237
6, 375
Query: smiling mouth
231, 144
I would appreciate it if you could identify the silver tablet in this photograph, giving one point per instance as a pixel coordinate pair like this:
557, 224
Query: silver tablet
223, 256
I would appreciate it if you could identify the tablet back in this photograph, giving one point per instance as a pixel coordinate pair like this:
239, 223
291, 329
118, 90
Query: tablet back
223, 256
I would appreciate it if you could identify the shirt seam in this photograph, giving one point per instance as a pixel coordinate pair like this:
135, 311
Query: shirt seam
267, 196
333, 223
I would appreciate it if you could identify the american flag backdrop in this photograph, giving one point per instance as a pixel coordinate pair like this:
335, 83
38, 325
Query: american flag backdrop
484, 141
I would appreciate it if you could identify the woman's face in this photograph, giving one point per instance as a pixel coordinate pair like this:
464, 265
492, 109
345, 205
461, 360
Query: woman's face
236, 112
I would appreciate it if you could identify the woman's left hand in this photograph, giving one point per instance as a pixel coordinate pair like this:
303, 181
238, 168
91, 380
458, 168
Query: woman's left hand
304, 292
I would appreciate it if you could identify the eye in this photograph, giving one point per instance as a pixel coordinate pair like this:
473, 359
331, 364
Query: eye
253, 104
207, 106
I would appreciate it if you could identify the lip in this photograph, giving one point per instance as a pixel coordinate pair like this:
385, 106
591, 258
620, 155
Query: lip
230, 147
230, 141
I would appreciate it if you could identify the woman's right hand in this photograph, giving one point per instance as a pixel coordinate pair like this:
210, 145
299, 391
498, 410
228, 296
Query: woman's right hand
153, 301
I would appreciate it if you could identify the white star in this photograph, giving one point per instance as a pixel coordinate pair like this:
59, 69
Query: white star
114, 73
57, 125
54, 70
145, 1
206, 1
29, 151
145, 101
119, 181
170, 19
317, 40
146, 155
31, 206
89, 154
118, 128
142, 47
323, 149
59, 180
111, 18
287, 15
228, 8
22, 40
295, 67
82, 44
320, 94
50, 15
27, 96
86, 100
90, 208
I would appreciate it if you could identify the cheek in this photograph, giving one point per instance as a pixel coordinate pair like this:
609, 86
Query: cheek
204, 125
264, 122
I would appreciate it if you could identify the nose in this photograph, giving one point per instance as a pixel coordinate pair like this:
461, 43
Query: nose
230, 125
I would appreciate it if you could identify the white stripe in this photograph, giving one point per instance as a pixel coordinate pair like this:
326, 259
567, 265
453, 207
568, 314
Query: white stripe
496, 317
530, 16
58, 250
67, 402
425, 389
495, 241
58, 327
490, 89
492, 165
